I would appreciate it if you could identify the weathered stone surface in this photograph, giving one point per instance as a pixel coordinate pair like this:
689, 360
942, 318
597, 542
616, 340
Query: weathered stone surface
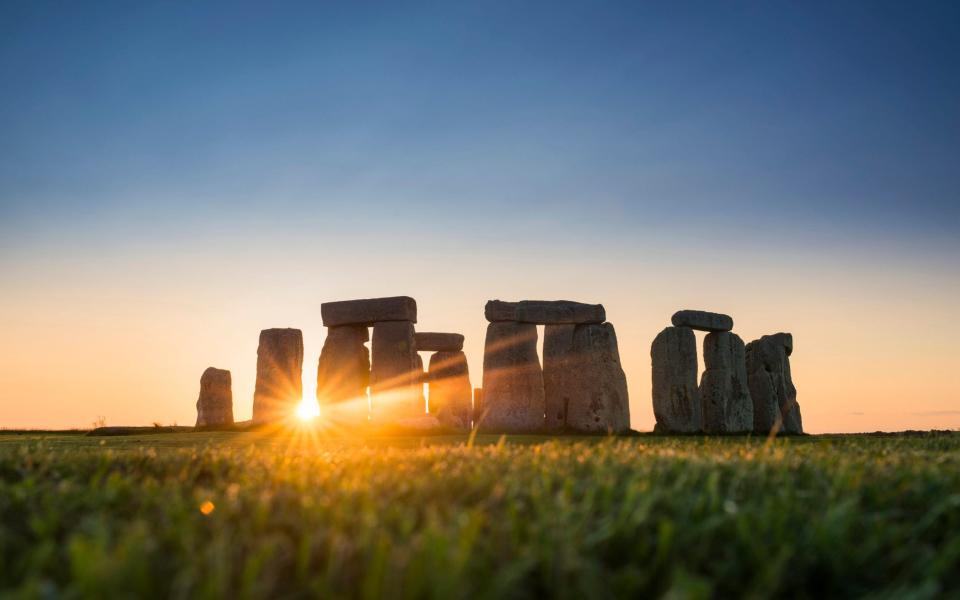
450, 390
774, 396
544, 312
429, 341
598, 401
727, 406
676, 397
215, 403
512, 380
558, 375
369, 311
343, 374
279, 388
395, 372
702, 320
785, 340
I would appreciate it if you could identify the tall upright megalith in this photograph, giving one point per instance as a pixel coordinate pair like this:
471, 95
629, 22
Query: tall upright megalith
450, 389
343, 374
279, 387
584, 384
215, 403
775, 406
512, 379
727, 406
599, 401
676, 397
395, 372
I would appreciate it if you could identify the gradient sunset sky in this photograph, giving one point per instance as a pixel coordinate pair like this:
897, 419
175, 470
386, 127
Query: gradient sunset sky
175, 177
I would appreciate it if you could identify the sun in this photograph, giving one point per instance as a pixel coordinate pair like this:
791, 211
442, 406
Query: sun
308, 410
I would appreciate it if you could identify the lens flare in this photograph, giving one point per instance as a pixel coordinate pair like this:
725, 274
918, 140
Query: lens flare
308, 410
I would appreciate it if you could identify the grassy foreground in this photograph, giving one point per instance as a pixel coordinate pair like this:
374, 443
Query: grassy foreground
255, 515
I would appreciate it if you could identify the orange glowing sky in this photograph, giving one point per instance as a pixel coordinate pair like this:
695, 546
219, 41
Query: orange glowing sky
126, 335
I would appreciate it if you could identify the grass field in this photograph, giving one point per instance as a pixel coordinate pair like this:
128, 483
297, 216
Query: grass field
255, 515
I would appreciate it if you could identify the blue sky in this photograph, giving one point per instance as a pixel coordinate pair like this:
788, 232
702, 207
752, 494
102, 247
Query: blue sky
127, 115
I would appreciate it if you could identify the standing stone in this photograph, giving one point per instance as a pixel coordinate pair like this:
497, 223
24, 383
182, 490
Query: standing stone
512, 380
676, 397
702, 320
450, 390
343, 374
279, 387
775, 406
544, 312
727, 406
215, 404
598, 387
395, 372
369, 311
558, 375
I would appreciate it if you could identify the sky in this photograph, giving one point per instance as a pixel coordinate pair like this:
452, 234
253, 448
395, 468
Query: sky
175, 177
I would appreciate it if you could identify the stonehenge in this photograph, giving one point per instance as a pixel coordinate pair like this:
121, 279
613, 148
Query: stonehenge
775, 406
279, 386
215, 403
743, 388
581, 387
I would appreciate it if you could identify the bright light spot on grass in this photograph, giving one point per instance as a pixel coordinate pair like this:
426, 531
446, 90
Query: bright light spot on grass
207, 507
308, 410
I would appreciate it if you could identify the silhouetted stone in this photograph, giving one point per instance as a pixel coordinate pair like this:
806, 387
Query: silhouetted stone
598, 401
477, 405
279, 388
676, 397
395, 372
512, 380
727, 406
215, 403
544, 312
450, 391
369, 311
343, 374
785, 340
702, 320
774, 396
558, 375
428, 341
